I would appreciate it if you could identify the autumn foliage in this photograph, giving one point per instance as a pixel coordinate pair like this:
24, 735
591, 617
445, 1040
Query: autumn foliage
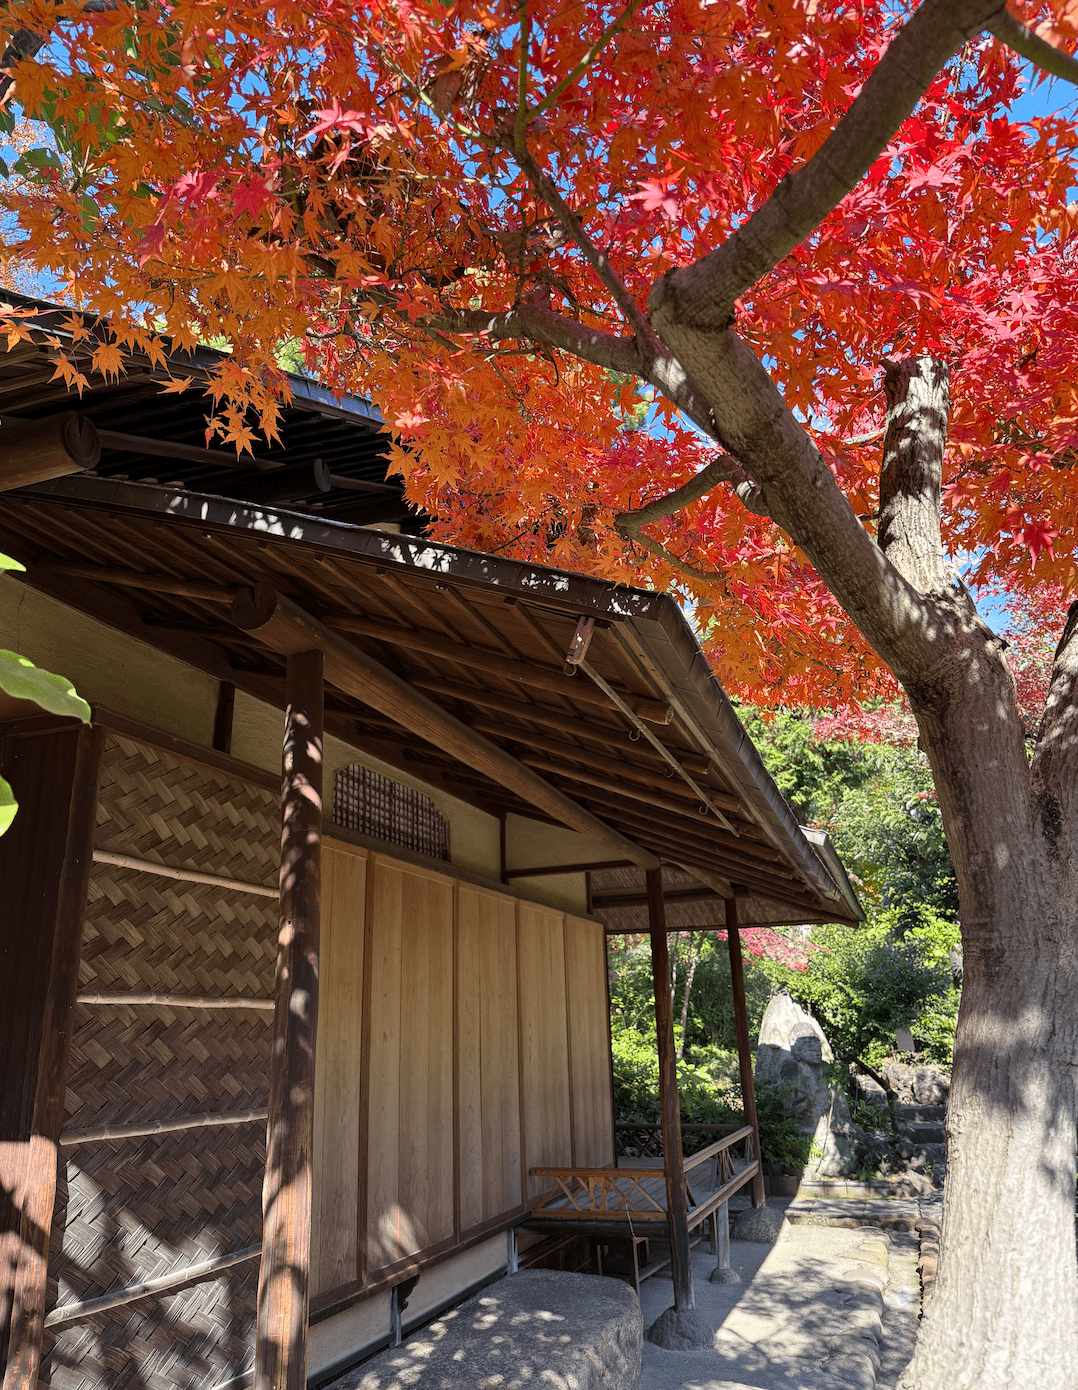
399, 187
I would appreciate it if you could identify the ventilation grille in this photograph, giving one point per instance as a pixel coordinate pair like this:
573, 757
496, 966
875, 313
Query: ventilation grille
374, 805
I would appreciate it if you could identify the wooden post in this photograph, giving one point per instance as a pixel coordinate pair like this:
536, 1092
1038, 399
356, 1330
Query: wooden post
284, 1276
669, 1105
744, 1047
45, 871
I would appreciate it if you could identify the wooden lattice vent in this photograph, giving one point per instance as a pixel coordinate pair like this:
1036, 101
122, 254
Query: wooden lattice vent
374, 805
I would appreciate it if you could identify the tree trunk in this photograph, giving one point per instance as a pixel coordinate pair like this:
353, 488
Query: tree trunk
1005, 1312
1008, 1274
696, 943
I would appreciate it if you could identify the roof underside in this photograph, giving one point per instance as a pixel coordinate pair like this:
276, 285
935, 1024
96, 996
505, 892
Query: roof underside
164, 436
484, 638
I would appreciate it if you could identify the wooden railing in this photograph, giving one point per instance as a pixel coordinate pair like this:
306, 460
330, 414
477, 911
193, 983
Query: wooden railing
646, 1140
639, 1194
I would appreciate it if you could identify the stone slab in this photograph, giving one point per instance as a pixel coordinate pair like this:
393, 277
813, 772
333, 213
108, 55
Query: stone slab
806, 1317
542, 1327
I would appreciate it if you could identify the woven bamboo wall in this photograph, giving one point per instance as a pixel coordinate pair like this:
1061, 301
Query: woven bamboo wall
134, 1210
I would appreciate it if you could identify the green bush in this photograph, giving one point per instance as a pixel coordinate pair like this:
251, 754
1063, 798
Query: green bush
708, 1095
862, 984
782, 1145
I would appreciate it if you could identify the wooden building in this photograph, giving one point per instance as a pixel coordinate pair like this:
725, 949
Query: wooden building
513, 760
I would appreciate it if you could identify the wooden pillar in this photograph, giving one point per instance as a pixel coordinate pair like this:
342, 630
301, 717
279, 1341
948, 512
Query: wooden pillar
669, 1104
45, 863
284, 1277
744, 1047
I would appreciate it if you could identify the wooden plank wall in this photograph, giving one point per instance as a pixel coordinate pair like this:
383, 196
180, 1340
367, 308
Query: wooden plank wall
476, 1025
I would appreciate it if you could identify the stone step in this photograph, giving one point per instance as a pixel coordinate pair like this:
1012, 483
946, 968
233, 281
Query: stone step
924, 1131
908, 1114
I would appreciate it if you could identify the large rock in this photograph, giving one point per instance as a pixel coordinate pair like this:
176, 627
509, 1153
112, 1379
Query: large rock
792, 1053
540, 1327
683, 1330
761, 1225
917, 1085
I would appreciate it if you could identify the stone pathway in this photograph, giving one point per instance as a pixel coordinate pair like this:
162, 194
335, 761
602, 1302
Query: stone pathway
834, 1305
888, 1213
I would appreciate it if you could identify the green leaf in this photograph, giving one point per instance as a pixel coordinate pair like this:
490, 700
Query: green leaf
37, 160
7, 563
25, 681
8, 805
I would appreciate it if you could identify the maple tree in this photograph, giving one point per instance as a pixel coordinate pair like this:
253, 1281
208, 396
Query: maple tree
622, 279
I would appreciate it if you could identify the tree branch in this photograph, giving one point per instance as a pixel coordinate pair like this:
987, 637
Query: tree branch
918, 404
754, 424
720, 470
24, 43
703, 295
658, 549
564, 83
1041, 54
546, 188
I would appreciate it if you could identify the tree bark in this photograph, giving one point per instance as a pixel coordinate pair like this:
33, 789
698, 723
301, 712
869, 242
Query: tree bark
1012, 1115
1008, 1276
696, 943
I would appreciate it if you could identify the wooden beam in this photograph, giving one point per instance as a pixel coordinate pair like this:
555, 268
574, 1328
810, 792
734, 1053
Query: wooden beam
680, 845
614, 767
223, 716
347, 484
671, 896
133, 579
744, 1046
545, 869
284, 1274
173, 449
702, 830
539, 675
652, 797
36, 450
611, 739
51, 918
669, 1104
284, 627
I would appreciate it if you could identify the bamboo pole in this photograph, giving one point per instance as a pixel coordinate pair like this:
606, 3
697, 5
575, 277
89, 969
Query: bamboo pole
646, 776
283, 626
537, 675
151, 866
612, 740
669, 1104
106, 1134
284, 1276
177, 1001
744, 1046
134, 579
189, 1274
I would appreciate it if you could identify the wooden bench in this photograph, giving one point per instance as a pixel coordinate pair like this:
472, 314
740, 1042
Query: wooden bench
611, 1204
